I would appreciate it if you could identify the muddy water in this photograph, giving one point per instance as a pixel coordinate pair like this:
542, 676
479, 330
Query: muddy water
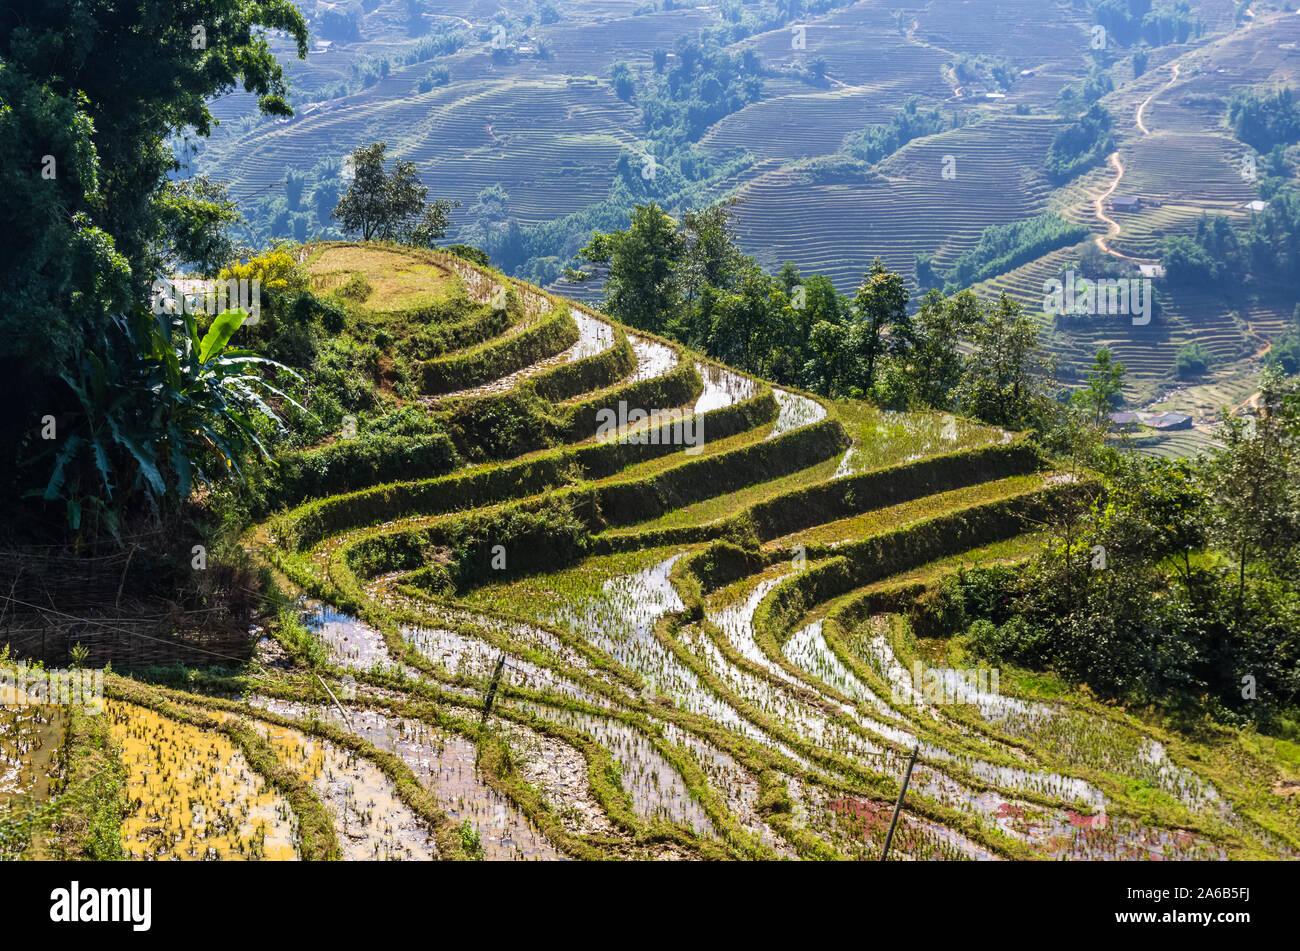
444, 763
621, 622
593, 337
558, 772
737, 786
798, 716
30, 738
29, 744
369, 820
807, 649
905, 437
657, 790
652, 358
195, 794
1084, 739
857, 827
352, 642
813, 726
471, 657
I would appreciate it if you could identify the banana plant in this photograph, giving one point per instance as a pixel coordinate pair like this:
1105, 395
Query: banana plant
164, 411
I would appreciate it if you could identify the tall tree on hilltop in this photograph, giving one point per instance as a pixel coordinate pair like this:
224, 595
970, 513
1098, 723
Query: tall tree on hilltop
394, 206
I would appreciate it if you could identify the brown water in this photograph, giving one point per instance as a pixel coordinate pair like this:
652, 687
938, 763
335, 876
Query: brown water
444, 763
370, 821
195, 794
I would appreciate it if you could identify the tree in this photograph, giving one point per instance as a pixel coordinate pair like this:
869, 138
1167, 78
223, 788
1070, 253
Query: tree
742, 325
624, 83
1253, 491
92, 95
492, 228
394, 206
1006, 375
711, 256
935, 362
881, 305
643, 287
1080, 146
1104, 390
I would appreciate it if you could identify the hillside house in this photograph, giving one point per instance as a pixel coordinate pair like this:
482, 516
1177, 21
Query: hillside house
1124, 421
1166, 422
1126, 203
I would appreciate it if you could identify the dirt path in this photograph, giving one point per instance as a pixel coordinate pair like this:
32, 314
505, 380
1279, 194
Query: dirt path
1173, 78
1099, 203
1099, 209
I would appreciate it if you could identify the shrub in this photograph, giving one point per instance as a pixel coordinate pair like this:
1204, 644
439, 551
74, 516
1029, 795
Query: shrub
1193, 360
355, 289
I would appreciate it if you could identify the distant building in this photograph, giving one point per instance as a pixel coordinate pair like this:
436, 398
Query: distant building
1151, 270
1168, 421
1257, 205
1126, 203
1124, 420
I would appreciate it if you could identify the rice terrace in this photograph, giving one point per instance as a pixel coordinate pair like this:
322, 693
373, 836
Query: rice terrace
822, 430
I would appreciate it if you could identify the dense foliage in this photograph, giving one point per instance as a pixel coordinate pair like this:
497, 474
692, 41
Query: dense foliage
1081, 145
689, 281
1133, 21
910, 122
1003, 247
1179, 585
91, 95
1265, 251
1264, 120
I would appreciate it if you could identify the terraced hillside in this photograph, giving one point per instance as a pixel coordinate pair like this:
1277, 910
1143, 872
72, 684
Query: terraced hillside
542, 119
694, 630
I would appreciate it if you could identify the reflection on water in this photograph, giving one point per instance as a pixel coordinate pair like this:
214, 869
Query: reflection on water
444, 763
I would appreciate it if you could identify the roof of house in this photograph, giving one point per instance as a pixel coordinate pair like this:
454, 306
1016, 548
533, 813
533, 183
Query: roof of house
1168, 420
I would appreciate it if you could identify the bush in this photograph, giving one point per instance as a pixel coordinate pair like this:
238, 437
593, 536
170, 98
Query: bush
500, 427
469, 254
1082, 145
1003, 247
351, 464
355, 289
1193, 360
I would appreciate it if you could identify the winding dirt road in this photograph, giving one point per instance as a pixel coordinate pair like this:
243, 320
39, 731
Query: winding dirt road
1099, 203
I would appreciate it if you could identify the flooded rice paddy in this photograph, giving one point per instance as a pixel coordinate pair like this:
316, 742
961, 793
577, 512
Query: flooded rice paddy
194, 795
445, 764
